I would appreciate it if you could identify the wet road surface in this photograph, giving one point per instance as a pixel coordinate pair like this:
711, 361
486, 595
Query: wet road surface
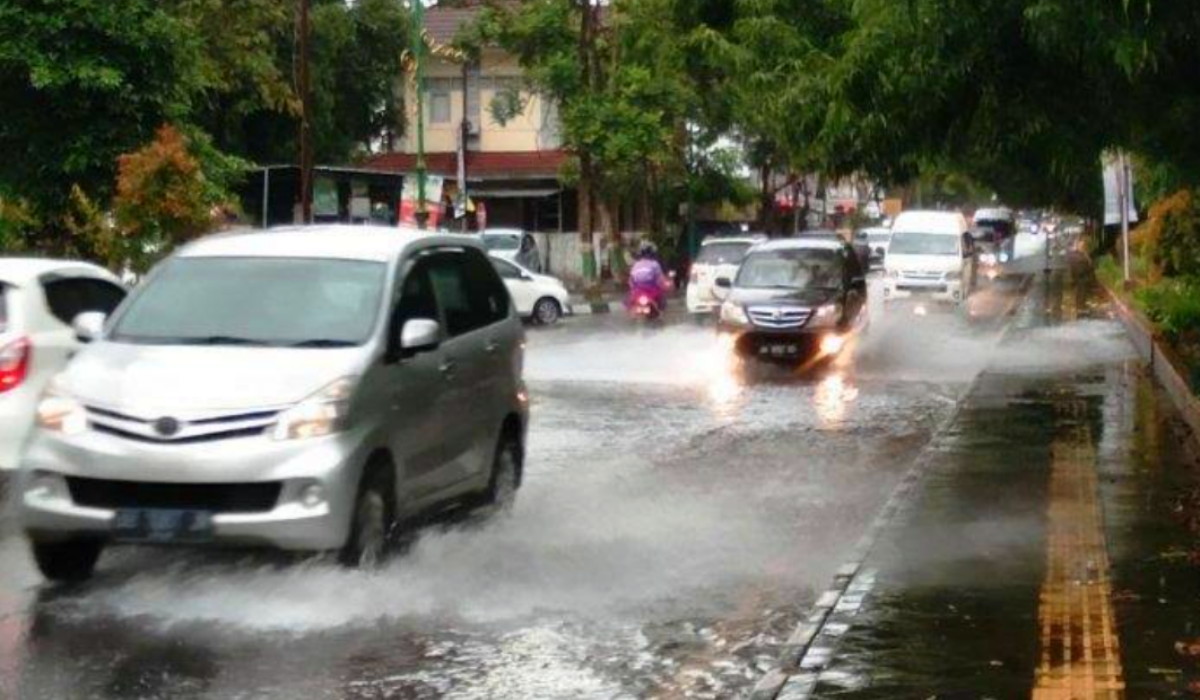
675, 524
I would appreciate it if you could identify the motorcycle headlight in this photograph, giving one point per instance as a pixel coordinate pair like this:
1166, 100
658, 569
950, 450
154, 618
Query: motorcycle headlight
59, 413
734, 313
321, 414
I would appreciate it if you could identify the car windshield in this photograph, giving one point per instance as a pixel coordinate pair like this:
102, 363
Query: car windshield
917, 243
791, 269
501, 241
305, 302
723, 253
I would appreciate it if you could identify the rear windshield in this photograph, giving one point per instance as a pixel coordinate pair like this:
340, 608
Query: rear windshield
723, 253
501, 241
1002, 227
916, 243
3, 308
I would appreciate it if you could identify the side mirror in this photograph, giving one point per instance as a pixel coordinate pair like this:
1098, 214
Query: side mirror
89, 325
419, 335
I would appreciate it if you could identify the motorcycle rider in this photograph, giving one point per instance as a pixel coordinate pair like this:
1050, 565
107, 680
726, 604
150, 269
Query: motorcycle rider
646, 278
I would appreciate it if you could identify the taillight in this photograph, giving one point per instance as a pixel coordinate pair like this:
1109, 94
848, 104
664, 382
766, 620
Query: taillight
14, 363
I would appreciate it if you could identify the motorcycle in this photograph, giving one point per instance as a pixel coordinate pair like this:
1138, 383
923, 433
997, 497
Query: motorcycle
645, 307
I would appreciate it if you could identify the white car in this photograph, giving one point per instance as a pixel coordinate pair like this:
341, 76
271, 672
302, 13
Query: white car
39, 299
513, 245
719, 257
930, 257
540, 298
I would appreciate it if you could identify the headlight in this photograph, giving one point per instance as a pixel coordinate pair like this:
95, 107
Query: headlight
826, 314
734, 313
59, 413
952, 276
321, 414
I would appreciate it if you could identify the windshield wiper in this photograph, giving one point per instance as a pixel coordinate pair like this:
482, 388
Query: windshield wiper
217, 340
323, 343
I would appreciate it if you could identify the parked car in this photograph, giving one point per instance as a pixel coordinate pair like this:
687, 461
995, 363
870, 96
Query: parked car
876, 238
539, 298
307, 389
718, 257
514, 245
38, 301
931, 257
794, 299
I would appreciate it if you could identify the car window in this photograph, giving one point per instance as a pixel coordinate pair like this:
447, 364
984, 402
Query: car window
66, 297
103, 296
468, 289
527, 244
792, 269
722, 253
506, 270
501, 241
417, 299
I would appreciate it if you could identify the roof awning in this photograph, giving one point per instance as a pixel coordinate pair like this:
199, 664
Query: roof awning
512, 193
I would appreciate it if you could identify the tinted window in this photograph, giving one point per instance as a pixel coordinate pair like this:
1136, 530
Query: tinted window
507, 270
468, 291
103, 296
417, 299
722, 253
792, 269
66, 297
501, 241
263, 301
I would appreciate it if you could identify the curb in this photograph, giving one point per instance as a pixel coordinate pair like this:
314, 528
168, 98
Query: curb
812, 645
1160, 359
586, 308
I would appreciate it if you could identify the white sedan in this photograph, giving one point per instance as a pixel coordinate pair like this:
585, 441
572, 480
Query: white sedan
540, 298
39, 299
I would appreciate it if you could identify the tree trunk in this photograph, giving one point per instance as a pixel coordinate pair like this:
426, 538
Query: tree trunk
586, 171
766, 200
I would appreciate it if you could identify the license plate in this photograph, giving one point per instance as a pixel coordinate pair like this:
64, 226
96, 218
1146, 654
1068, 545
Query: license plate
156, 525
779, 350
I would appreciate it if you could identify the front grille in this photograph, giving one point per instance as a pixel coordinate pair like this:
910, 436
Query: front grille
189, 431
927, 288
923, 276
779, 316
258, 497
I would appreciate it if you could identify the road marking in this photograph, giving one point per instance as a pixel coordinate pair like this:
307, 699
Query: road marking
1080, 652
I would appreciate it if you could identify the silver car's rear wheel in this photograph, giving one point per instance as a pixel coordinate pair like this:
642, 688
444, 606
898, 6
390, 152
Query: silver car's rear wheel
506, 477
547, 311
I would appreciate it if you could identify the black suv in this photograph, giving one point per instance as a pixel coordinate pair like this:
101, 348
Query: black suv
794, 299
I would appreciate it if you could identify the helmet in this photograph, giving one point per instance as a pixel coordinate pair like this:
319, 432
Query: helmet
647, 250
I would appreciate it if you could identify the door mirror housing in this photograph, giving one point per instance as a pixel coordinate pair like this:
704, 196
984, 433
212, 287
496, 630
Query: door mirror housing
89, 326
419, 335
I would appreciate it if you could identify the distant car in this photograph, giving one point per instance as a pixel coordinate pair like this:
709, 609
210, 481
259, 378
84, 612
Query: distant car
39, 300
539, 298
718, 257
794, 299
861, 248
312, 389
515, 245
877, 239
931, 257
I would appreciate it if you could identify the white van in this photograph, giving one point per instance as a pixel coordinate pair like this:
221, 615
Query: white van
931, 256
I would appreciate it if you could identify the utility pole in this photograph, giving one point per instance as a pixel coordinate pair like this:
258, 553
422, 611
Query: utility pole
306, 156
418, 49
464, 133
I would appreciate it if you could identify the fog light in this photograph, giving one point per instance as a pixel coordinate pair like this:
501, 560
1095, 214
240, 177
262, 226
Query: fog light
312, 496
48, 487
832, 344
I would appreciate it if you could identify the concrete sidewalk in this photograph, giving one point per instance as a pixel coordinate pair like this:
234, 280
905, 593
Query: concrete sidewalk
1045, 545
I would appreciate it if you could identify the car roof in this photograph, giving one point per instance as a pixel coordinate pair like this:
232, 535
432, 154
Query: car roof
750, 238
502, 232
19, 271
334, 241
940, 222
800, 244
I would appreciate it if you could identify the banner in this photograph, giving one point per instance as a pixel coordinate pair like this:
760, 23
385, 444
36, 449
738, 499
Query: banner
433, 200
1112, 163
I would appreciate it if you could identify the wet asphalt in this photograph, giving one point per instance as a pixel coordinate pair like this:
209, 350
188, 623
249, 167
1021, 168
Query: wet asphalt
679, 517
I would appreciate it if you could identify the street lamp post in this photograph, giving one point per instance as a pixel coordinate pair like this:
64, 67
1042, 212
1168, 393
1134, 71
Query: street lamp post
418, 49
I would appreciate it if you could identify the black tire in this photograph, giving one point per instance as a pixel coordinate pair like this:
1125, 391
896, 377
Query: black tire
68, 562
502, 488
373, 522
547, 311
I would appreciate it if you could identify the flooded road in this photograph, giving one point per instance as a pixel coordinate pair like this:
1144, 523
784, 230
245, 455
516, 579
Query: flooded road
677, 520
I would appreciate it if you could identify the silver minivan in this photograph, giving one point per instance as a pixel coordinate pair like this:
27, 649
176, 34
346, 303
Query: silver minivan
308, 389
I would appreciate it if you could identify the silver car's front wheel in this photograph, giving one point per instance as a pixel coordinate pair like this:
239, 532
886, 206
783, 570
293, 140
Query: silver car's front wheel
373, 519
506, 477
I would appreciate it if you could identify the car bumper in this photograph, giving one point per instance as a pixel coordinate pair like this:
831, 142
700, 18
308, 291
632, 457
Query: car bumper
947, 292
53, 468
701, 300
772, 344
16, 419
